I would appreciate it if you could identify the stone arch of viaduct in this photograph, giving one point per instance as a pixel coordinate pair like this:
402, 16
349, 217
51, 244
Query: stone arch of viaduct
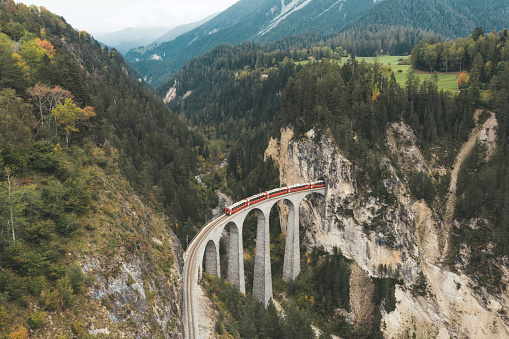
262, 284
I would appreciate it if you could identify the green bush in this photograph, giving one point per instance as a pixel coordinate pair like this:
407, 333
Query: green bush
50, 300
297, 323
4, 317
39, 230
102, 162
130, 280
421, 186
45, 159
385, 289
23, 301
4, 297
36, 285
65, 291
219, 327
12, 257
36, 320
56, 271
67, 224
76, 278
13, 285
420, 286
78, 328
485, 115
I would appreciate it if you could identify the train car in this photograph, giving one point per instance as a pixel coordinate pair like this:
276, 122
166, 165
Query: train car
271, 194
278, 191
317, 184
299, 187
236, 207
256, 198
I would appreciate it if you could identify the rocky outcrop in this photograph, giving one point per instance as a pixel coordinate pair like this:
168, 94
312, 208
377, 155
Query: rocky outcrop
136, 275
131, 262
338, 220
171, 94
409, 238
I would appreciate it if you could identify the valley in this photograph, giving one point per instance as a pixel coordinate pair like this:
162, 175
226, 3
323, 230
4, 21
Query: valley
119, 176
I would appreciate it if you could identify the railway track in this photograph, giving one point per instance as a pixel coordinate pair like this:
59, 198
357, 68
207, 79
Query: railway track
191, 265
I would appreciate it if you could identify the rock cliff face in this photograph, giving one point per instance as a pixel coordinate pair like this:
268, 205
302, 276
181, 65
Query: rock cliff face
410, 240
136, 275
131, 262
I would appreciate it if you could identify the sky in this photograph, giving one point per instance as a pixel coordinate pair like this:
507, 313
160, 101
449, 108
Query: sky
103, 16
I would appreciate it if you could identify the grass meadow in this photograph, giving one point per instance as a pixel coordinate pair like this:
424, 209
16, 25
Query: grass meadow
446, 81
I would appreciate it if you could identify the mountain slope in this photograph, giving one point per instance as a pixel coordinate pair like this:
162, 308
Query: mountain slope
173, 33
450, 18
266, 20
80, 252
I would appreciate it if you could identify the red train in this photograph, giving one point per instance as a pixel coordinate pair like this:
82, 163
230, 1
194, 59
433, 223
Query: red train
271, 194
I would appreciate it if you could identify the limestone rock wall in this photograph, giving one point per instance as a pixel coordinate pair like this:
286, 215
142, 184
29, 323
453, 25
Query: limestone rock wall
454, 306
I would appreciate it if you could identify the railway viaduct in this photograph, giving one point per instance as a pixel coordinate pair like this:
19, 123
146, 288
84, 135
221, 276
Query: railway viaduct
205, 248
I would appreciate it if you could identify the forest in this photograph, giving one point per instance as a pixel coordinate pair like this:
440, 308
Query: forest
74, 120
482, 55
362, 41
73, 111
448, 18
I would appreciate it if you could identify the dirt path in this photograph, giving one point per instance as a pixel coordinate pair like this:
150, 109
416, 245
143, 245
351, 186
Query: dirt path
467, 147
207, 315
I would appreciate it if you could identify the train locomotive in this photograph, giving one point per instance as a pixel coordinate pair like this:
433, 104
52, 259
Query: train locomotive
271, 194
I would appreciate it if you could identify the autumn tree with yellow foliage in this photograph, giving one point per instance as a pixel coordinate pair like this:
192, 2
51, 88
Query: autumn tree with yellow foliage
68, 114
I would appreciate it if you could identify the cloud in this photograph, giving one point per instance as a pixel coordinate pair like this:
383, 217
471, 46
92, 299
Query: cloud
113, 15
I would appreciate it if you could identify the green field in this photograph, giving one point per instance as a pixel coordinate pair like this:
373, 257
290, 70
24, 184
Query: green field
446, 81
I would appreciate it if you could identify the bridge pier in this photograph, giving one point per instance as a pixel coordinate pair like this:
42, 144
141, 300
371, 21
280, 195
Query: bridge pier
212, 258
235, 274
291, 264
262, 284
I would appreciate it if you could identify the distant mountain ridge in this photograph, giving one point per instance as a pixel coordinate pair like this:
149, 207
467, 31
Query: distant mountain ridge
132, 37
450, 18
173, 33
271, 20
255, 20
